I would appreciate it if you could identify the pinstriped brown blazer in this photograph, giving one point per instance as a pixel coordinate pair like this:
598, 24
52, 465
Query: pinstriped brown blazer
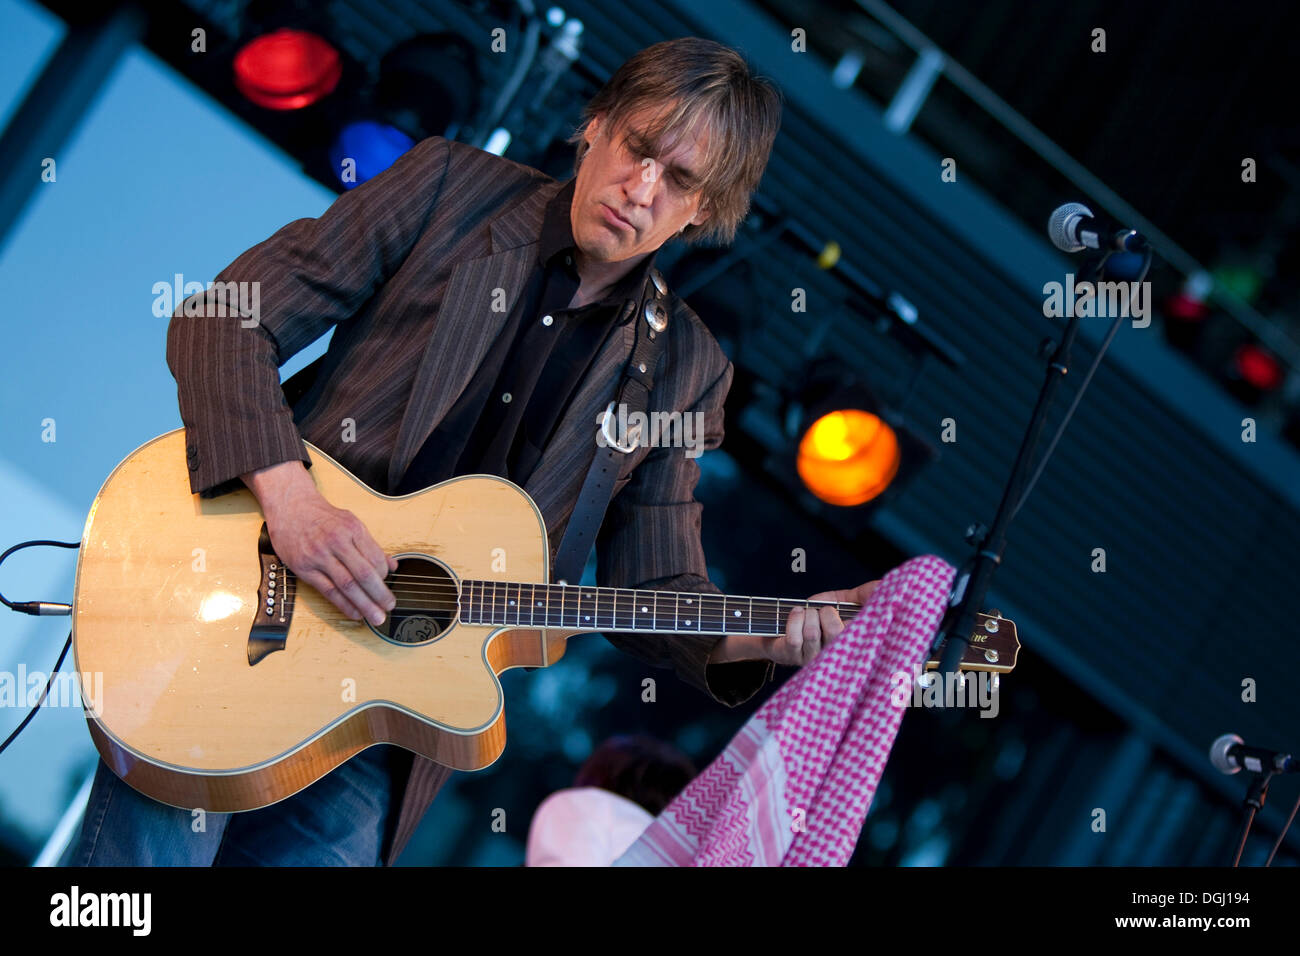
404, 268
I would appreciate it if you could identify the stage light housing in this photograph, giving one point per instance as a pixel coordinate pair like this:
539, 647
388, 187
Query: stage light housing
429, 83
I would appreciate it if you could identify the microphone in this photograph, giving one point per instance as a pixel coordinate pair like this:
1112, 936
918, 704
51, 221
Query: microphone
1229, 754
1072, 228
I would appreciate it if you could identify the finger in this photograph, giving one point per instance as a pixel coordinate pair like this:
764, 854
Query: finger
831, 625
321, 582
343, 581
794, 635
373, 553
371, 582
812, 636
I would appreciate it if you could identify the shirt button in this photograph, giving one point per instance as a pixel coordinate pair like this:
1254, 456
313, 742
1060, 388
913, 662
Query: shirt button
568, 260
506, 398
547, 319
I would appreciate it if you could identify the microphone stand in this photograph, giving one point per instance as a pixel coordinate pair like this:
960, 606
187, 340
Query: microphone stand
1252, 802
976, 574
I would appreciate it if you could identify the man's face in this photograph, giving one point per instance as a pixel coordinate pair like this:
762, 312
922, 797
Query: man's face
656, 195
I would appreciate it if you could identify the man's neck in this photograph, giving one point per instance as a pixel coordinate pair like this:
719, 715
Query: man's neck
597, 278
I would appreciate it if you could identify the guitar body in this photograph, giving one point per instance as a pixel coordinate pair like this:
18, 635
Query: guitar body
209, 701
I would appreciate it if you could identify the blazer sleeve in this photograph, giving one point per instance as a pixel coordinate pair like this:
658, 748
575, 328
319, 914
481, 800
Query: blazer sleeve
650, 538
306, 277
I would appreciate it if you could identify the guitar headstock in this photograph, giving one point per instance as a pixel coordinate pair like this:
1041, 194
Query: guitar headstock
994, 646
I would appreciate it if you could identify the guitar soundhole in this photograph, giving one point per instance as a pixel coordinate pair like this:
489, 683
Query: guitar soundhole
427, 596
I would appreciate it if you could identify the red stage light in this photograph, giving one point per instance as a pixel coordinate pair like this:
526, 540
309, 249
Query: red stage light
1182, 306
287, 69
1258, 367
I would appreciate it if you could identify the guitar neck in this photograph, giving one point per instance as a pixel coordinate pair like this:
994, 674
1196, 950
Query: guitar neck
575, 608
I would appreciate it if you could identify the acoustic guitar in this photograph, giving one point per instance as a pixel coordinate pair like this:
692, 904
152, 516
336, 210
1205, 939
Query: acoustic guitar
229, 685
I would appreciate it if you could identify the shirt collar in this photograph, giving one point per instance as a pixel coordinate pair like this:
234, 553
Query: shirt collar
557, 238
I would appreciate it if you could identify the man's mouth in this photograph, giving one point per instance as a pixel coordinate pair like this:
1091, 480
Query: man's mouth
615, 218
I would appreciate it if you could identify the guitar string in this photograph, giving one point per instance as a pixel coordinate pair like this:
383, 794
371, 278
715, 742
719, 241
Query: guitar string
429, 580
455, 608
488, 604
444, 586
430, 586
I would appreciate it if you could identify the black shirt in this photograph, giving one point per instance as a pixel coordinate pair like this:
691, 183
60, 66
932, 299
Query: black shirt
510, 408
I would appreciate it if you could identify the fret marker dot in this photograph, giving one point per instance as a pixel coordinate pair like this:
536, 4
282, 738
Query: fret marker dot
539, 603
642, 608
688, 622
689, 600
737, 613
586, 617
512, 602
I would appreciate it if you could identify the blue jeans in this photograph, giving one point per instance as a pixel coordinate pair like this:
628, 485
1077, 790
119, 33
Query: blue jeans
340, 820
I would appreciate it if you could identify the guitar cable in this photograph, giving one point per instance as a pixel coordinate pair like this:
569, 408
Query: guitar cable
42, 608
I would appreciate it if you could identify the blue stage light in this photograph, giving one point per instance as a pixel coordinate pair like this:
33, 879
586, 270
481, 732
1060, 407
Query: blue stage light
364, 149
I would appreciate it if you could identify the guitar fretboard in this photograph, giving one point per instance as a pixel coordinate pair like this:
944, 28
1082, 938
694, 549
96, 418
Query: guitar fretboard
572, 607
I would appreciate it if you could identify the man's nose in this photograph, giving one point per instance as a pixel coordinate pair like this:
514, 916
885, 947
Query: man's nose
644, 182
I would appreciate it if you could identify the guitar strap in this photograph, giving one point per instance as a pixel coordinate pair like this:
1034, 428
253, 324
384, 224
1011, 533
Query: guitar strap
632, 396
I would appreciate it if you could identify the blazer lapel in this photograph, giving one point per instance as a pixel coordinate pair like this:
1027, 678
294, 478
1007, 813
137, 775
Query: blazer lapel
466, 323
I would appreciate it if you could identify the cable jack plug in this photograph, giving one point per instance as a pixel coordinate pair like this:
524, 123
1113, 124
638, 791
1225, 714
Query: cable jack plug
42, 608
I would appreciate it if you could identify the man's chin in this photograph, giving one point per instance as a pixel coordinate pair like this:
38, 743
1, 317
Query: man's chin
606, 252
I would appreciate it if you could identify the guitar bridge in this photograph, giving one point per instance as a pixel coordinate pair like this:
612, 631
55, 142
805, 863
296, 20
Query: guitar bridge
270, 628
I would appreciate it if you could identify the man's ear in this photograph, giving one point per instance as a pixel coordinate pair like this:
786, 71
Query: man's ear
593, 130
702, 214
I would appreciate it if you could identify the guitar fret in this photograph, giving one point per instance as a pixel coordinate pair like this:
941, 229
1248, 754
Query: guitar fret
622, 616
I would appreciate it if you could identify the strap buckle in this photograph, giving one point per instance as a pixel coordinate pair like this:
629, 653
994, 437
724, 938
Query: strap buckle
605, 430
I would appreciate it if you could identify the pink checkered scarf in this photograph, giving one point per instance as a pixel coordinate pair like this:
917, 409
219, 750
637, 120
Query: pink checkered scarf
793, 787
